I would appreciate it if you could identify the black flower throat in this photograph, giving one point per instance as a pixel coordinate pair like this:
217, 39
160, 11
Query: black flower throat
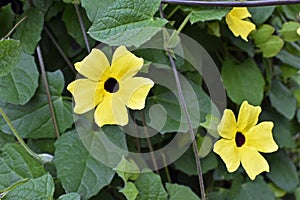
239, 139
111, 85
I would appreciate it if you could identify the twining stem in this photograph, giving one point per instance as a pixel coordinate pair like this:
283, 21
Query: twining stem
173, 12
185, 110
82, 28
166, 168
59, 49
188, 119
44, 77
149, 143
14, 28
185, 21
256, 3
18, 136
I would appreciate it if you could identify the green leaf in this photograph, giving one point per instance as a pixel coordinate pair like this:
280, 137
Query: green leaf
72, 1
165, 112
95, 7
271, 46
70, 196
282, 99
261, 14
262, 34
6, 20
33, 120
289, 31
107, 144
9, 55
73, 26
132, 26
24, 79
202, 14
29, 31
77, 169
42, 5
283, 128
289, 59
257, 190
129, 191
39, 188
243, 81
16, 164
150, 187
187, 164
291, 11
180, 192
4, 139
126, 168
283, 171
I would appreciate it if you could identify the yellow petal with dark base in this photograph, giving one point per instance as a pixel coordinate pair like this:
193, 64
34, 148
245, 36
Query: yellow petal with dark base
260, 137
228, 151
227, 127
253, 162
111, 111
93, 65
87, 94
248, 117
133, 92
125, 64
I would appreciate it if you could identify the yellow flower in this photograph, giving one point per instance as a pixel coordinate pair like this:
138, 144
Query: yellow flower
242, 140
110, 88
237, 25
298, 31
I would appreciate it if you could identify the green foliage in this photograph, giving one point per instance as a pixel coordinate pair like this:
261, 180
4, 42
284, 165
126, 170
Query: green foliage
16, 165
72, 158
29, 32
36, 111
38, 188
24, 77
243, 81
178, 192
10, 54
91, 162
131, 26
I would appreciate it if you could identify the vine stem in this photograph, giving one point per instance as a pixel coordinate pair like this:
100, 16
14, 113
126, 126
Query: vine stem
149, 143
188, 119
14, 28
44, 77
256, 3
59, 49
18, 136
185, 110
82, 28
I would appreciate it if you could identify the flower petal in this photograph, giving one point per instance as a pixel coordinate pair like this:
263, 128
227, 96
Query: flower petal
93, 65
227, 127
125, 64
133, 92
239, 27
111, 111
260, 137
253, 162
229, 153
248, 117
240, 12
87, 94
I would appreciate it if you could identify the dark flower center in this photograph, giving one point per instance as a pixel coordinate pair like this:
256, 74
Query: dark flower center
239, 139
111, 85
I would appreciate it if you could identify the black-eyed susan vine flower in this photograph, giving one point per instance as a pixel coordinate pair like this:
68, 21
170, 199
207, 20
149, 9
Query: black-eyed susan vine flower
110, 88
237, 25
242, 140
